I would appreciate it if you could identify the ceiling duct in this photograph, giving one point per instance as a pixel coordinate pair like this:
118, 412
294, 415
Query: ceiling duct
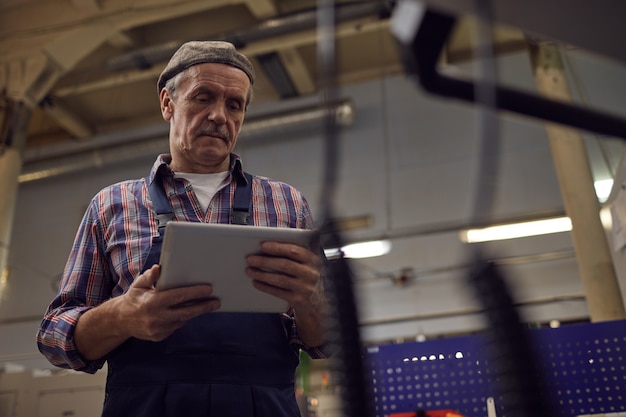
145, 58
121, 147
275, 71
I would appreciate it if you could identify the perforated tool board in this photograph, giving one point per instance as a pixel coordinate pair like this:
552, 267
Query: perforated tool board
583, 370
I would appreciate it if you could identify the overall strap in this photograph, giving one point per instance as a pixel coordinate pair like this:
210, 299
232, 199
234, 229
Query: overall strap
240, 212
162, 207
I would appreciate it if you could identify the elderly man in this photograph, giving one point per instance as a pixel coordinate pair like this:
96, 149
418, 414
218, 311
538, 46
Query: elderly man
167, 357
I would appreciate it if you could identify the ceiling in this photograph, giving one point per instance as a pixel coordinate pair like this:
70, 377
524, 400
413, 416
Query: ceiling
88, 67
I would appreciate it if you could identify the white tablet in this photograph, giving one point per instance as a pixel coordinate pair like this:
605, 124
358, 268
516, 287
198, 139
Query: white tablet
199, 253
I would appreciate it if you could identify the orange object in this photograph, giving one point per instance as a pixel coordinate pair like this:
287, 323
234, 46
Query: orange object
428, 413
325, 380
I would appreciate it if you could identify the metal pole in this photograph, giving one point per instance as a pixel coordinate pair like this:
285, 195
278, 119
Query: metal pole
577, 190
13, 123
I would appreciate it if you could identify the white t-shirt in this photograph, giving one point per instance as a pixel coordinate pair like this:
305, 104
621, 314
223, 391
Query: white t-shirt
205, 185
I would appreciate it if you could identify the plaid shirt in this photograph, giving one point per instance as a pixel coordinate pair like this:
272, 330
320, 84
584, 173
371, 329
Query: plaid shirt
115, 236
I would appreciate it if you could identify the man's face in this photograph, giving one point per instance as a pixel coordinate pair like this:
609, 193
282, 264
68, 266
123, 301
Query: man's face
205, 114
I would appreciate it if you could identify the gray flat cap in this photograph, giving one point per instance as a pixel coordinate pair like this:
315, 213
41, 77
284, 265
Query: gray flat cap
202, 52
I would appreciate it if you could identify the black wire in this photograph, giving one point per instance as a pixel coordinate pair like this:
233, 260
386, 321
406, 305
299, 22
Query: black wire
343, 321
515, 372
516, 376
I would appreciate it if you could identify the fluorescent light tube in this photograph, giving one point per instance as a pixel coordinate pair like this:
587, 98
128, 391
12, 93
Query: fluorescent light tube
361, 250
531, 228
517, 230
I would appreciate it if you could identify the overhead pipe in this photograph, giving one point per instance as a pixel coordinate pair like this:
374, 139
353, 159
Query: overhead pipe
471, 311
108, 149
144, 58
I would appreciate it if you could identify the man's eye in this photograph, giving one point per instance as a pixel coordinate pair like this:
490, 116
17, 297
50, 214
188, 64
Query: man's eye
203, 98
235, 106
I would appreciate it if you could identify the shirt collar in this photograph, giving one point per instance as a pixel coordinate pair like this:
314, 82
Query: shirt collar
161, 167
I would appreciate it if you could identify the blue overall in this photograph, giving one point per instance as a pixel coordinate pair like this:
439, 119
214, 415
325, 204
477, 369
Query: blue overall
218, 364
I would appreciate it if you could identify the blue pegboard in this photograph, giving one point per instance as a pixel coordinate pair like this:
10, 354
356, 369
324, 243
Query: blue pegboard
583, 371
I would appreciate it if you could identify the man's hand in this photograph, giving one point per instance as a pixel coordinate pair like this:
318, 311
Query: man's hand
154, 315
292, 273
141, 312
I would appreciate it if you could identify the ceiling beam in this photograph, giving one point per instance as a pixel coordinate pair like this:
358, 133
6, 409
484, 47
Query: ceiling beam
121, 40
153, 11
290, 58
42, 50
261, 9
24, 30
280, 43
297, 71
90, 5
67, 119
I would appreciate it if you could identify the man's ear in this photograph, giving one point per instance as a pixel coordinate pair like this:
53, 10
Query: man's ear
166, 104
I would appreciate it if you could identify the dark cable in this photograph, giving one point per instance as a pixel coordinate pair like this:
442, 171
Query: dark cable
515, 373
343, 321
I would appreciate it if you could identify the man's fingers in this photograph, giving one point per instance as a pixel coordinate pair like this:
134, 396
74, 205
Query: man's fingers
286, 250
148, 278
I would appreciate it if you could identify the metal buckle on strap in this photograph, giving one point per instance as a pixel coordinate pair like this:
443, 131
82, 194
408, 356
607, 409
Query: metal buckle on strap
239, 217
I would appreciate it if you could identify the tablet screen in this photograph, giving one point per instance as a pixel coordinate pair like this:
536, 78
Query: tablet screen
199, 253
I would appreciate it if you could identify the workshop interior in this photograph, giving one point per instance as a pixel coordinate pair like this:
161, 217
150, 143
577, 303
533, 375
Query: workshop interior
464, 160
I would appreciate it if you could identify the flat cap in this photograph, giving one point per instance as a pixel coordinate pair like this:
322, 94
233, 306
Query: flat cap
202, 52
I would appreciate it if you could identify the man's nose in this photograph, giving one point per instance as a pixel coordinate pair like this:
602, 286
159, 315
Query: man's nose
217, 114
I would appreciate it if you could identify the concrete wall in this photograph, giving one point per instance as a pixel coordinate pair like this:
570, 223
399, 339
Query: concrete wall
63, 395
